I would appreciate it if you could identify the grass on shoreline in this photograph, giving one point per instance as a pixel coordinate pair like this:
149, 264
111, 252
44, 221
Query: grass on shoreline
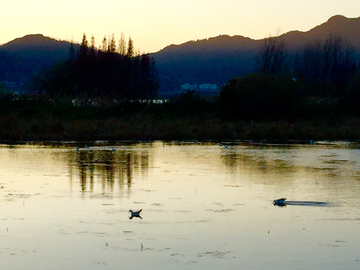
144, 126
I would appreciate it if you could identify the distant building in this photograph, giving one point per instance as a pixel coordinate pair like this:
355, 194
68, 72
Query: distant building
206, 89
208, 86
11, 84
189, 87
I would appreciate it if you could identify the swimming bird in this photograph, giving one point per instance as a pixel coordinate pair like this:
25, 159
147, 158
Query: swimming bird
135, 213
280, 201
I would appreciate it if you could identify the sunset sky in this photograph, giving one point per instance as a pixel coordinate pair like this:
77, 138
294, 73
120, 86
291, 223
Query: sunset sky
154, 24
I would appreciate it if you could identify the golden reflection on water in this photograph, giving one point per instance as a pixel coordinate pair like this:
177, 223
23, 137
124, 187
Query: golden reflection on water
108, 169
204, 204
300, 171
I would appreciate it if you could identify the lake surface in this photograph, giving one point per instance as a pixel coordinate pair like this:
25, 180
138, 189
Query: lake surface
205, 206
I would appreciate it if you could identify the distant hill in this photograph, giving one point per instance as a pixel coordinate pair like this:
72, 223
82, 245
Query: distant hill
218, 59
210, 61
22, 58
348, 28
214, 60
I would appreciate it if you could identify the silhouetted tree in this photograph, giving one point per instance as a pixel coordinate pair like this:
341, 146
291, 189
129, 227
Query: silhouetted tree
102, 73
84, 47
92, 46
112, 45
104, 44
148, 77
326, 68
122, 45
130, 48
260, 96
271, 58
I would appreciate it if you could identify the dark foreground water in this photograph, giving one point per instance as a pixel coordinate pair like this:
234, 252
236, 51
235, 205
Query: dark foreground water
205, 206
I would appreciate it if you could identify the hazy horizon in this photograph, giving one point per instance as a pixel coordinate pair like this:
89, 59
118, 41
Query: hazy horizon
156, 24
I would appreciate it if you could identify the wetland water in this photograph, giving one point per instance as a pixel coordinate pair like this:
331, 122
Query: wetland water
205, 206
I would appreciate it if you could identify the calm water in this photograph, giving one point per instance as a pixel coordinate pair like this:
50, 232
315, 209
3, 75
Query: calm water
205, 206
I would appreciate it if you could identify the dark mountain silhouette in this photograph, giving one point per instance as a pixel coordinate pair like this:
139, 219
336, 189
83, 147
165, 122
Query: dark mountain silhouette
218, 59
22, 58
214, 60
348, 28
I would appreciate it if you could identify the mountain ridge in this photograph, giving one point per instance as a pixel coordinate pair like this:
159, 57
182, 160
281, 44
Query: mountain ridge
176, 62
348, 28
24, 57
212, 60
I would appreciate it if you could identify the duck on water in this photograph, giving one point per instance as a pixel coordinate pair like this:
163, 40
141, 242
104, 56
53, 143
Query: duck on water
284, 202
280, 201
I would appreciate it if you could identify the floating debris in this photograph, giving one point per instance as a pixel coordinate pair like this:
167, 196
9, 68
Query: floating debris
221, 210
157, 204
217, 254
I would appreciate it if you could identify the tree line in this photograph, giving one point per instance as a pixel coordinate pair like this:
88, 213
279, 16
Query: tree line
320, 79
114, 71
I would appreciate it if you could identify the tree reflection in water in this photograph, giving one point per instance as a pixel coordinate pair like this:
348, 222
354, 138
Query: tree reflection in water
112, 169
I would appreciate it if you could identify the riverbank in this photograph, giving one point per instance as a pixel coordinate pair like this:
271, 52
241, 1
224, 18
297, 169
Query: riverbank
146, 126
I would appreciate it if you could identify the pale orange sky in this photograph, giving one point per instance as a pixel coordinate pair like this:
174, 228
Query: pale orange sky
154, 24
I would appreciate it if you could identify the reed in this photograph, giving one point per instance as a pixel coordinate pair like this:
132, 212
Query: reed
144, 126
43, 120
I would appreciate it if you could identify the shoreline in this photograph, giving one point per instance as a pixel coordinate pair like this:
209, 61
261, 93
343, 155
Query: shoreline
144, 127
225, 143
